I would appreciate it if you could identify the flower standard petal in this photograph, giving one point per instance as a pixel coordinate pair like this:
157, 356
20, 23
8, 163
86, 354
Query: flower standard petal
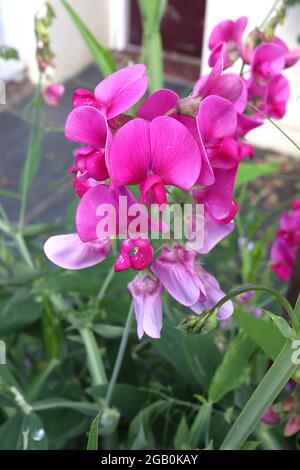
121, 90
86, 125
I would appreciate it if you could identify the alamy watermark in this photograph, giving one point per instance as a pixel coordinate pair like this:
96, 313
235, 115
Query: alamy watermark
156, 222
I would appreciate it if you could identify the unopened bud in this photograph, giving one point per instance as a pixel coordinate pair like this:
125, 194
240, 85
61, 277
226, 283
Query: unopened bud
199, 324
109, 421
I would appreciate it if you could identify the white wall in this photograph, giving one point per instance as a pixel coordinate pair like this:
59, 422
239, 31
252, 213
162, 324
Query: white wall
105, 18
219, 10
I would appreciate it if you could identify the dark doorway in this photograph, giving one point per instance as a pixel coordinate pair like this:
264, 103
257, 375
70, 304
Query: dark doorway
182, 34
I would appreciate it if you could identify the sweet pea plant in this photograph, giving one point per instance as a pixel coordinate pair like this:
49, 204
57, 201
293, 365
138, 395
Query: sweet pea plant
157, 189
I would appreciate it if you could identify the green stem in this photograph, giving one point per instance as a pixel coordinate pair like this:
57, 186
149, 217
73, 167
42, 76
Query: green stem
120, 357
269, 388
105, 285
95, 363
153, 50
269, 14
23, 249
284, 302
272, 122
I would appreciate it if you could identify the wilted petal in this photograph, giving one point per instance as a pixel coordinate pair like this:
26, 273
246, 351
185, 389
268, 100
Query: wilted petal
69, 252
146, 293
213, 295
174, 269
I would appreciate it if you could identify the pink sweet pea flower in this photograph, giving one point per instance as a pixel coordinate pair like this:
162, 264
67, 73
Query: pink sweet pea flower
226, 41
217, 122
213, 294
267, 62
228, 85
283, 258
70, 252
92, 163
88, 217
292, 426
276, 97
53, 94
116, 93
175, 269
271, 99
154, 154
135, 254
290, 57
146, 291
284, 249
271, 417
187, 282
81, 182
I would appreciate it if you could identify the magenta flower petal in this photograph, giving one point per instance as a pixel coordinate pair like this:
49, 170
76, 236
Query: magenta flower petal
229, 86
213, 295
175, 153
277, 96
157, 104
86, 125
213, 234
121, 90
271, 417
69, 252
268, 60
84, 97
163, 147
146, 293
87, 219
218, 197
53, 94
217, 118
175, 270
246, 124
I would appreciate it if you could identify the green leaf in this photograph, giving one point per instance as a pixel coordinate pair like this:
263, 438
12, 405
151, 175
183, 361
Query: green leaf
262, 398
8, 53
262, 332
144, 417
248, 173
23, 432
195, 357
281, 324
103, 58
182, 434
200, 425
234, 370
250, 445
93, 434
18, 312
128, 399
108, 331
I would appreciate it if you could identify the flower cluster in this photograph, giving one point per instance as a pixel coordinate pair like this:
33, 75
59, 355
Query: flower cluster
169, 150
52, 93
266, 57
284, 249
